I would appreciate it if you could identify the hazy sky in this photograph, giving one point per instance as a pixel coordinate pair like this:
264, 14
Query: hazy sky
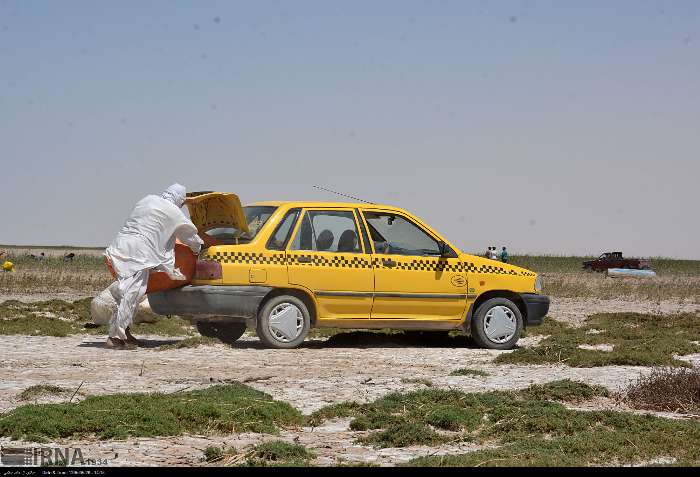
547, 126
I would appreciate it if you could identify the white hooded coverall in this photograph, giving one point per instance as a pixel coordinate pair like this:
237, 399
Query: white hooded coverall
145, 242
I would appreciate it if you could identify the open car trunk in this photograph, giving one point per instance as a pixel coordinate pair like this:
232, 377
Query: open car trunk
214, 210
208, 211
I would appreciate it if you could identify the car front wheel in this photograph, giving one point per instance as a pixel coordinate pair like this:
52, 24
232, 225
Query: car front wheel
283, 322
497, 324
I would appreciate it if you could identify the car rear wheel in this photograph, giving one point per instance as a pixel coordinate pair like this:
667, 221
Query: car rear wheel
497, 324
283, 322
224, 331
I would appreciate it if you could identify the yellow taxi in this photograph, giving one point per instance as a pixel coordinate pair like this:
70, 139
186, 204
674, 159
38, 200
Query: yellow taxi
286, 267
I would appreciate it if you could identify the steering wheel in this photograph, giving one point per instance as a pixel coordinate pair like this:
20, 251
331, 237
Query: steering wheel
382, 246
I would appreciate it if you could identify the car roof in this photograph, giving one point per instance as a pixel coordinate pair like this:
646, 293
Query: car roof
301, 203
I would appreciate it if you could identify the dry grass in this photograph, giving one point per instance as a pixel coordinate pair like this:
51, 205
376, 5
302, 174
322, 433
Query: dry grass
563, 276
666, 389
86, 274
38, 390
597, 285
571, 264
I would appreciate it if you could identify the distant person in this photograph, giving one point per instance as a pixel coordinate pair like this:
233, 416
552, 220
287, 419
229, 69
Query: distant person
146, 242
69, 256
494, 254
488, 252
504, 255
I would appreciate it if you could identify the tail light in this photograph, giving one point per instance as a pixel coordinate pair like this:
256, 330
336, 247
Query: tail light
208, 270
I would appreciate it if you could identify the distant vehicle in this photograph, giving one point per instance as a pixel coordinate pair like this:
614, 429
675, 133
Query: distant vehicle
616, 260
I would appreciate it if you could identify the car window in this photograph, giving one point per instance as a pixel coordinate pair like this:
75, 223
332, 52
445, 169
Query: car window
327, 231
256, 217
394, 235
278, 240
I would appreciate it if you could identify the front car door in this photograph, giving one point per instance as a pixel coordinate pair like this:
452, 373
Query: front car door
326, 256
412, 279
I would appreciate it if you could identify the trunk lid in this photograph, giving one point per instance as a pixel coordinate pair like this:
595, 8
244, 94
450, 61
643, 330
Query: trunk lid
211, 210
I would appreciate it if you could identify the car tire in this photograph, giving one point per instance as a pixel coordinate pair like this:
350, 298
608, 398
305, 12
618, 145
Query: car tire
497, 324
227, 332
283, 322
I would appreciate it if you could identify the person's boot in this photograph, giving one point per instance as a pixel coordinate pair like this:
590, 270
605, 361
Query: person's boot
131, 339
116, 343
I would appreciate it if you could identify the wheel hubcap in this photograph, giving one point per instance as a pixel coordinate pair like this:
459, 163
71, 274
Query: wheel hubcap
500, 324
285, 322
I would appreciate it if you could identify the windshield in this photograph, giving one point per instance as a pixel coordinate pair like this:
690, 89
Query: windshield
256, 216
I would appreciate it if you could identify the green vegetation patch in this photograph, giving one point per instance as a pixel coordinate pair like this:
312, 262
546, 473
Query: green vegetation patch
62, 318
34, 392
279, 454
220, 409
637, 340
564, 391
646, 439
403, 434
525, 427
213, 453
469, 372
418, 417
423, 381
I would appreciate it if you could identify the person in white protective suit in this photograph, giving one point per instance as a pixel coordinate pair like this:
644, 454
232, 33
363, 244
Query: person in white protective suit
146, 242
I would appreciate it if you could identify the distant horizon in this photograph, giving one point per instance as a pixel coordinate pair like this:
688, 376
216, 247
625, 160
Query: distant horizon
512, 254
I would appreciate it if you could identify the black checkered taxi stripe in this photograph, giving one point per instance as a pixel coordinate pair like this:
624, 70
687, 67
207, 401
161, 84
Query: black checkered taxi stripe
338, 261
342, 261
423, 265
248, 257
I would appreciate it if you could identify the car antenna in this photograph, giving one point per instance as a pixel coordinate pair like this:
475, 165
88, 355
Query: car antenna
343, 195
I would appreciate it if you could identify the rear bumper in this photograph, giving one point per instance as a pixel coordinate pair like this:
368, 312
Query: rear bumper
537, 307
208, 301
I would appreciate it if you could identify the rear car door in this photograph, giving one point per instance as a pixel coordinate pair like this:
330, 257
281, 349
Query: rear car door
326, 256
411, 279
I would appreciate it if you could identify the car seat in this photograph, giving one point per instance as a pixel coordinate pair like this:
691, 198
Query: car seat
347, 241
324, 241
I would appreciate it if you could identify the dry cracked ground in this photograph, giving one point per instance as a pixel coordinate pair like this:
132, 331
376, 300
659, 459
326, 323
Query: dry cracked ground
309, 378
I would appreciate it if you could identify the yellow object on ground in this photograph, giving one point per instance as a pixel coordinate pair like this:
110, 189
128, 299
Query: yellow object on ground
8, 266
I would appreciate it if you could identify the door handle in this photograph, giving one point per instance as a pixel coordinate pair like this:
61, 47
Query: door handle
388, 263
303, 259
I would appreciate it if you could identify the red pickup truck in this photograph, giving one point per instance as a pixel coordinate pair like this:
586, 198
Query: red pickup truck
615, 260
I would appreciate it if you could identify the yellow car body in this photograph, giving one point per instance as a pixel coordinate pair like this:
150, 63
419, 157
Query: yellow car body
349, 274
